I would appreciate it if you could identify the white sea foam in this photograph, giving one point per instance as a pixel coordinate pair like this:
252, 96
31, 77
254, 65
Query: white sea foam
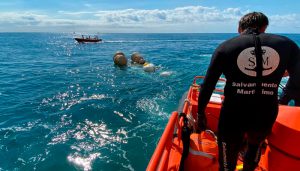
84, 162
122, 116
166, 73
68, 99
93, 97
152, 106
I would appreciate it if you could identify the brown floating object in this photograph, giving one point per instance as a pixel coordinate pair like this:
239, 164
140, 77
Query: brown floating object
120, 59
136, 57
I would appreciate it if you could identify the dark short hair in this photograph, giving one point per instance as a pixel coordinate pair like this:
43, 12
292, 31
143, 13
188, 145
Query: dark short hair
253, 20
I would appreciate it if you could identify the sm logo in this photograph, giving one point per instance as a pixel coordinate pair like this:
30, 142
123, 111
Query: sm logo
246, 61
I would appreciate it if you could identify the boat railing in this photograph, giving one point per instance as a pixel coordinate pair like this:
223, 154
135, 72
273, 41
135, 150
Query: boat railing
193, 93
196, 78
159, 159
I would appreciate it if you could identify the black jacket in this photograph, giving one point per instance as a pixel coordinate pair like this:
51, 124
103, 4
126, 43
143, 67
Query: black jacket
236, 59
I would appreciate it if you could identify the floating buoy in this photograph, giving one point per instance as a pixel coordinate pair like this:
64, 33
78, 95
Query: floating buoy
120, 59
136, 58
165, 73
142, 61
149, 67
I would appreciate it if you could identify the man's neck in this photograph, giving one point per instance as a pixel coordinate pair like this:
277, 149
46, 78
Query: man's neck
251, 31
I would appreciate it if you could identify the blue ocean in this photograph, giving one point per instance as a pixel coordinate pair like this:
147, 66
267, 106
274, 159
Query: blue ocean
65, 106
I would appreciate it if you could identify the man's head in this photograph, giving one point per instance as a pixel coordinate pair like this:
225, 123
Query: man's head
254, 20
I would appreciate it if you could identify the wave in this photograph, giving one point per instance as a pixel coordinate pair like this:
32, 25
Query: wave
67, 99
83, 162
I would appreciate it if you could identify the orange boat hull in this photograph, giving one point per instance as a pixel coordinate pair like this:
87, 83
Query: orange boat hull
282, 151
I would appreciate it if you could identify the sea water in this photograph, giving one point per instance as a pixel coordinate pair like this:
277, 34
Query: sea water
65, 106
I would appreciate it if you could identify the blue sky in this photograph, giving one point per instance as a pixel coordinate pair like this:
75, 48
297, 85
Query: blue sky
143, 16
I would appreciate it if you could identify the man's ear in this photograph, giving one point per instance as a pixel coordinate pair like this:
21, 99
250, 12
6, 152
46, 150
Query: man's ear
263, 29
240, 30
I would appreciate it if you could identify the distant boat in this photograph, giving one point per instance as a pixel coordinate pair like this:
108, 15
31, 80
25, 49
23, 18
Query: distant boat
84, 39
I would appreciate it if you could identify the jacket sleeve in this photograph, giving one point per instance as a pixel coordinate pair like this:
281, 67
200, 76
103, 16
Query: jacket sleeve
213, 73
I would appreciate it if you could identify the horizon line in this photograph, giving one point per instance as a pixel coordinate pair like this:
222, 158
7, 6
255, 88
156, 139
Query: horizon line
140, 32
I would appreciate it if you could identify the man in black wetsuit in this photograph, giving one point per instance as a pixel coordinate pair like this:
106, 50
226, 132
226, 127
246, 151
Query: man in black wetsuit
253, 64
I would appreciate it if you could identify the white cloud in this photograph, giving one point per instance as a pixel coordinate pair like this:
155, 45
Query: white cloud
181, 19
194, 14
284, 18
285, 23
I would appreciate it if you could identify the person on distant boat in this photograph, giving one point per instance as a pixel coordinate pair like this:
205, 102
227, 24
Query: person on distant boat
291, 91
120, 59
253, 64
